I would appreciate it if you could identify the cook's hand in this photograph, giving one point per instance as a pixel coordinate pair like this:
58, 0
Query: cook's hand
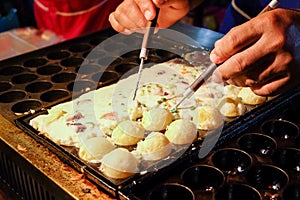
132, 15
260, 54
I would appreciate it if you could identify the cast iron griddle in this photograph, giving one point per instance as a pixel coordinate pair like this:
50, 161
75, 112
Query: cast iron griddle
33, 82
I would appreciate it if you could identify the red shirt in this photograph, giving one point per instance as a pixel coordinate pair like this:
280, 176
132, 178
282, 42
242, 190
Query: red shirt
72, 18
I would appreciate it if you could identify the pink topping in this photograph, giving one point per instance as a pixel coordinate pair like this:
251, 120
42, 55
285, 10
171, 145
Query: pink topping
74, 117
79, 127
110, 115
161, 72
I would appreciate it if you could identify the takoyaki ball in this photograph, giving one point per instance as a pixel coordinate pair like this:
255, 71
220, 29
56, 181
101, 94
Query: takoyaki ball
156, 119
231, 106
119, 164
250, 98
231, 90
156, 146
93, 149
207, 118
181, 131
127, 133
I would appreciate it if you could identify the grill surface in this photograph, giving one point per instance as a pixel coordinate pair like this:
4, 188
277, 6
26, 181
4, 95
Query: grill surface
41, 79
33, 82
258, 158
45, 77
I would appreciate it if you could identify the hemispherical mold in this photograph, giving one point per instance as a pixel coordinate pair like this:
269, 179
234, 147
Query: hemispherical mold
89, 69
81, 86
268, 178
109, 60
11, 70
12, 96
72, 62
114, 47
58, 55
231, 161
26, 106
203, 177
132, 54
282, 129
54, 95
150, 59
198, 58
85, 55
171, 191
163, 53
122, 68
132, 41
94, 55
257, 143
35, 62
4, 86
24, 78
236, 191
287, 159
49, 69
39, 86
106, 77
63, 77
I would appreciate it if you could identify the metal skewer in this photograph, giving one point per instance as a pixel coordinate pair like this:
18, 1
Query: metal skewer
144, 52
272, 5
197, 83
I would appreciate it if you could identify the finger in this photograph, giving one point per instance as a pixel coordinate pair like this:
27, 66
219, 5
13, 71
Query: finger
147, 7
175, 10
131, 18
272, 88
258, 72
280, 67
240, 82
270, 74
117, 26
245, 60
234, 41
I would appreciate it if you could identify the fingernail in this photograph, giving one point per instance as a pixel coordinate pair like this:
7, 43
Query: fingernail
127, 32
214, 58
148, 15
216, 77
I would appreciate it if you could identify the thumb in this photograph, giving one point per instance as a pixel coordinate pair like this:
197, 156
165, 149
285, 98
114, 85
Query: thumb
147, 7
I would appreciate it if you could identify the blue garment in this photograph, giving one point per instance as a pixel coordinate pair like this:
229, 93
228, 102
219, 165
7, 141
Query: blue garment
252, 8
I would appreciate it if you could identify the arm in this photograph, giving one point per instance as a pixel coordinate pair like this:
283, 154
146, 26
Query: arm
261, 53
131, 15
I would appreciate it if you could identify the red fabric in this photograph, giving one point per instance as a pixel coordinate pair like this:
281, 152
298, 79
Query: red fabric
73, 26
